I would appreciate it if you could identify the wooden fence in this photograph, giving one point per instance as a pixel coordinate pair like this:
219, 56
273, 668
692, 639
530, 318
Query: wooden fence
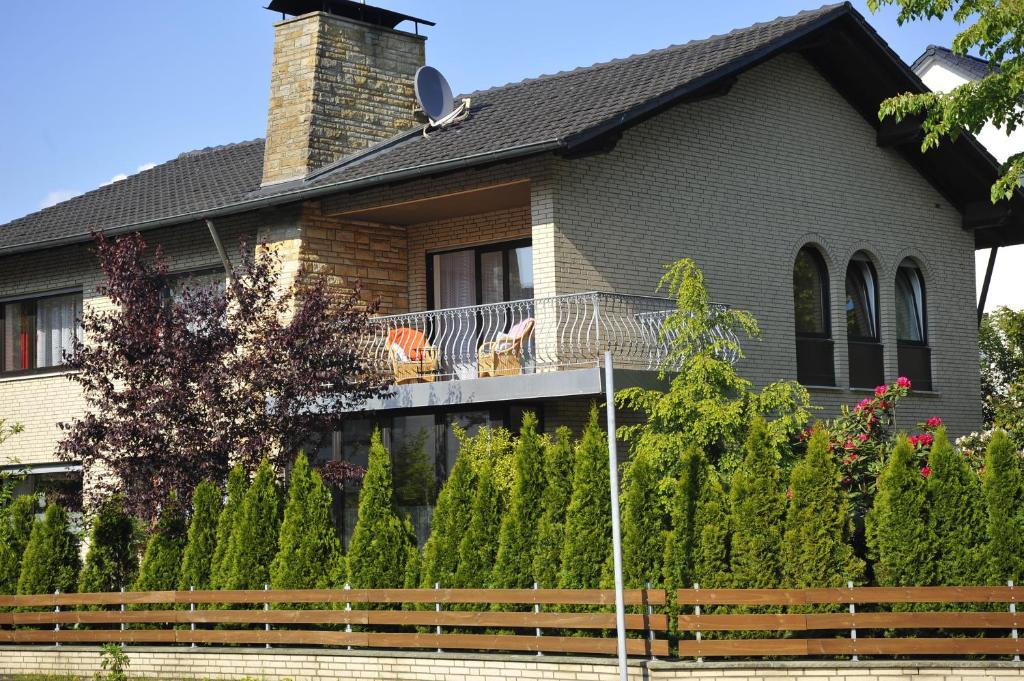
988, 626
531, 620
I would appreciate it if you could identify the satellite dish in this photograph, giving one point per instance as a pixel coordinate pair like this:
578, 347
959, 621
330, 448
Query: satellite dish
433, 93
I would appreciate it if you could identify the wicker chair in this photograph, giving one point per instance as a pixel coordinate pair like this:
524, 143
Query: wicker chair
413, 359
503, 355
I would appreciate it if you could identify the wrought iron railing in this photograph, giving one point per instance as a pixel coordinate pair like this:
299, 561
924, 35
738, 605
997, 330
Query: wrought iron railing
526, 336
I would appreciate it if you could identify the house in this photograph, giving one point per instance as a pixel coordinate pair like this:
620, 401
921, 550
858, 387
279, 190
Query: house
547, 214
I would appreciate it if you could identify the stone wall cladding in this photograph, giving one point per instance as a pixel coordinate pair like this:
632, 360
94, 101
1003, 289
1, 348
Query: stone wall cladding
337, 86
739, 183
40, 402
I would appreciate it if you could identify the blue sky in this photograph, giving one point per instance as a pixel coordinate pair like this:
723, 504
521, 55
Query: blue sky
92, 91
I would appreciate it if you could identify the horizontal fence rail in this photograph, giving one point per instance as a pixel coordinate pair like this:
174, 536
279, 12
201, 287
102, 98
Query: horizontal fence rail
723, 622
575, 620
532, 335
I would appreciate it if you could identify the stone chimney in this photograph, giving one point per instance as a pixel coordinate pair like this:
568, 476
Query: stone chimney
342, 80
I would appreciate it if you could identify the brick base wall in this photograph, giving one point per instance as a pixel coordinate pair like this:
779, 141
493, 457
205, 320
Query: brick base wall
305, 665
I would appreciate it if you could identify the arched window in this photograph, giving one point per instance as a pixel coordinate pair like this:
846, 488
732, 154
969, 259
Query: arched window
814, 354
913, 353
865, 348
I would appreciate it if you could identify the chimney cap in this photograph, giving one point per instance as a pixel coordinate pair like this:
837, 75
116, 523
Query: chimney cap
345, 8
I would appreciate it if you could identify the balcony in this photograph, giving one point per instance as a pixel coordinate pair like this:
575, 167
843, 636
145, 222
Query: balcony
538, 348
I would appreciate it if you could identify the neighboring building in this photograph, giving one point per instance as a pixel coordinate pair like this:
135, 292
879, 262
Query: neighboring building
942, 70
757, 153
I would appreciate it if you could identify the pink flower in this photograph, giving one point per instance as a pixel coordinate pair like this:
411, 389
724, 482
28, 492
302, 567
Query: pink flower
903, 382
850, 444
934, 422
913, 440
925, 471
863, 437
853, 457
865, 405
789, 494
880, 390
926, 439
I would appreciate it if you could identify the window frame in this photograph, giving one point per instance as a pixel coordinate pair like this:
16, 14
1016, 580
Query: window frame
34, 299
877, 338
924, 306
504, 247
826, 295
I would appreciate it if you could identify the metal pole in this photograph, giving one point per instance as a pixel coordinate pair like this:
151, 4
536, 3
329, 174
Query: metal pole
613, 479
266, 606
853, 630
56, 626
192, 610
1013, 611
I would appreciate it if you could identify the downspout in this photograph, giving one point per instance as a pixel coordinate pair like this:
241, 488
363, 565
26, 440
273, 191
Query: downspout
988, 280
220, 250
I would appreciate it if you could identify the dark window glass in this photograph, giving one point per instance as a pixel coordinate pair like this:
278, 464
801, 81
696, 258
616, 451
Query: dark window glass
810, 294
37, 333
482, 275
861, 300
909, 304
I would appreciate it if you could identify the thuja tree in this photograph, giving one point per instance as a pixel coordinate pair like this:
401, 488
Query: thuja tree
177, 385
16, 521
901, 541
517, 538
447, 527
816, 546
51, 560
161, 563
309, 551
643, 541
1004, 493
955, 515
479, 545
380, 545
558, 462
758, 501
238, 485
588, 531
112, 560
253, 542
197, 561
697, 545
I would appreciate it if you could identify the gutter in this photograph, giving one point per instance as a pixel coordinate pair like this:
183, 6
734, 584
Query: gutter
301, 194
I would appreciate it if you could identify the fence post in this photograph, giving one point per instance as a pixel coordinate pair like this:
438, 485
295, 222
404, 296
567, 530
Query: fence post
122, 616
192, 609
650, 617
1013, 611
437, 608
348, 608
536, 611
696, 612
266, 606
853, 615
56, 625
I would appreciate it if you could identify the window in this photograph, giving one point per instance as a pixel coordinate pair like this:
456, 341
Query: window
913, 353
814, 354
38, 332
864, 346
477, 276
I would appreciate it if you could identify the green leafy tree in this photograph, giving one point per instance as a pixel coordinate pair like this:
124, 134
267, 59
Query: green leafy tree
238, 485
1001, 338
112, 560
994, 30
558, 462
16, 522
161, 563
380, 544
517, 538
758, 501
588, 530
1003, 486
816, 546
955, 515
447, 527
900, 539
197, 561
697, 545
479, 546
308, 547
253, 542
51, 558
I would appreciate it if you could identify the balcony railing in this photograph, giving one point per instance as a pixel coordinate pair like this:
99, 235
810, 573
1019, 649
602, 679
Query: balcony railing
526, 336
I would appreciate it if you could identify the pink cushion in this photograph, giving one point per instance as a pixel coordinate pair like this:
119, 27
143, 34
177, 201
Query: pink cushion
519, 329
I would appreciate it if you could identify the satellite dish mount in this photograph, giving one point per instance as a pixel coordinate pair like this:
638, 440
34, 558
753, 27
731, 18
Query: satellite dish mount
435, 98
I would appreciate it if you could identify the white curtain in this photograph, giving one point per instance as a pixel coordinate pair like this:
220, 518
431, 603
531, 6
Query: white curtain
455, 335
56, 328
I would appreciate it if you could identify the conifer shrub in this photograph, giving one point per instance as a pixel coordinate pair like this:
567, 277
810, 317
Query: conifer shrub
51, 560
758, 503
588, 532
161, 563
112, 561
447, 527
253, 542
413, 558
643, 540
16, 528
517, 538
558, 463
308, 545
956, 517
900, 539
238, 485
380, 545
697, 545
816, 546
479, 546
201, 544
1004, 495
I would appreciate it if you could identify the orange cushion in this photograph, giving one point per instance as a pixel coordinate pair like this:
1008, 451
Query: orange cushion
411, 341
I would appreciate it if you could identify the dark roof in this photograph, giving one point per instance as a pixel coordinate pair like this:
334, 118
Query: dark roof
570, 113
345, 8
969, 67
